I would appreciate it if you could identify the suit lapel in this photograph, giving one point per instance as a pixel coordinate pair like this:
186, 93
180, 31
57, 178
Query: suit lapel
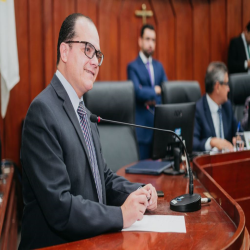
208, 116
97, 145
155, 72
67, 105
144, 71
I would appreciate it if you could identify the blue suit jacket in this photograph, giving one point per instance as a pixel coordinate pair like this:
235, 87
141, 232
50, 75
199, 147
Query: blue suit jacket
144, 91
204, 127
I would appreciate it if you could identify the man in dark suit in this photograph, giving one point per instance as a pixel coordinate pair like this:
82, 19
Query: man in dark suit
69, 193
239, 52
147, 76
215, 124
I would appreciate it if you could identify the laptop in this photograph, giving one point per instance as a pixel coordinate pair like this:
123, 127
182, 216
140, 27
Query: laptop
149, 167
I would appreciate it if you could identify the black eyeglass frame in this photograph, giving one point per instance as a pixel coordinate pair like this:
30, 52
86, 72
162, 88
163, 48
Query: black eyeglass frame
224, 83
96, 51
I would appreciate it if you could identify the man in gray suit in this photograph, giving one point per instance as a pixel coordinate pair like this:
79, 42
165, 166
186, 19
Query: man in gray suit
69, 193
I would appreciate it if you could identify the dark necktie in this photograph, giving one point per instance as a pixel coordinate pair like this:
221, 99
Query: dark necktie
220, 122
91, 149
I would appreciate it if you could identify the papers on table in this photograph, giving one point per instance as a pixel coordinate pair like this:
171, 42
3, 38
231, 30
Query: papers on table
159, 223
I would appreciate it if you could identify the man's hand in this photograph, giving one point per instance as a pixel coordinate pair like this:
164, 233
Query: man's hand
221, 144
150, 103
157, 89
135, 206
153, 197
248, 64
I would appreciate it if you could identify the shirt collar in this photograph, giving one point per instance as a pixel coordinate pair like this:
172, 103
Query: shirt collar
213, 106
144, 58
70, 91
243, 38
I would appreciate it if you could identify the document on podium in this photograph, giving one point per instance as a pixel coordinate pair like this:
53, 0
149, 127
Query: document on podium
159, 223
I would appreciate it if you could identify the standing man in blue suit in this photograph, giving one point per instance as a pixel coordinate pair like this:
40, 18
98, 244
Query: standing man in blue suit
215, 124
147, 75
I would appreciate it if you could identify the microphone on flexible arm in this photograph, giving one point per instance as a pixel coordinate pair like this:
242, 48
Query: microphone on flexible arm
184, 203
149, 109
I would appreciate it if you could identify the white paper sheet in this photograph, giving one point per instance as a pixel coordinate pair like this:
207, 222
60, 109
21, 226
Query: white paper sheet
159, 223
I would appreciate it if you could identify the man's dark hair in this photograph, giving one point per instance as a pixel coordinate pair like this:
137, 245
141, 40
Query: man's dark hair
67, 31
215, 73
146, 26
248, 27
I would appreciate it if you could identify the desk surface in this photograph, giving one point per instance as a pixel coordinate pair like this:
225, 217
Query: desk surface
208, 228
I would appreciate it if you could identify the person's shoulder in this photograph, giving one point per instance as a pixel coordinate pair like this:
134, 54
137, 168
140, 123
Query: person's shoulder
158, 63
47, 97
200, 102
227, 105
134, 62
236, 40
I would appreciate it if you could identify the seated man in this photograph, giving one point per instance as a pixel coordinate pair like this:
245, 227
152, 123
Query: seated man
215, 124
239, 52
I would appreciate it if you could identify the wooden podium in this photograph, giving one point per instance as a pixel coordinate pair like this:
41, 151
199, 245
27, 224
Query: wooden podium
218, 225
224, 175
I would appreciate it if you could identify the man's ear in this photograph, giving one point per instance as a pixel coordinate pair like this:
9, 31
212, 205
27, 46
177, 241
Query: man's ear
64, 51
139, 41
217, 86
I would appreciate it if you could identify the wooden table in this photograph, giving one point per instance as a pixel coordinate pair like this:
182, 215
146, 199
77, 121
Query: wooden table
218, 225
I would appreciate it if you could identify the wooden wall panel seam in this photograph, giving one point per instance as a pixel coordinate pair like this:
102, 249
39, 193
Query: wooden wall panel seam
178, 15
28, 18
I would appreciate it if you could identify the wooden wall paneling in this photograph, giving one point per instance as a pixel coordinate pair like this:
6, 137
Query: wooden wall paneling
234, 19
201, 43
90, 9
49, 46
165, 36
218, 31
246, 13
109, 38
130, 27
20, 94
36, 49
61, 9
184, 39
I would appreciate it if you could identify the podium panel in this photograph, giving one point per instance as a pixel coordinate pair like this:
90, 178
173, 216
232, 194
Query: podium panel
219, 224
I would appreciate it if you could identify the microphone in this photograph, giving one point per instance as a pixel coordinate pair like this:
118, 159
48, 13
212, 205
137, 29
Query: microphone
184, 203
149, 109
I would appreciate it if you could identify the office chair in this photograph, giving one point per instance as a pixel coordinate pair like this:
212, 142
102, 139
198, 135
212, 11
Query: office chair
239, 90
180, 92
115, 101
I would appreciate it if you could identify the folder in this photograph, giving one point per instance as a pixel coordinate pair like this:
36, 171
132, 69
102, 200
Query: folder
149, 167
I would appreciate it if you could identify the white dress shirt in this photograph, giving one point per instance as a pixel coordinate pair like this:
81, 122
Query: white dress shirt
216, 121
151, 68
71, 92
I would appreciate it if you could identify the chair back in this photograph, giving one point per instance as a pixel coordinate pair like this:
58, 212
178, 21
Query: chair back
239, 90
115, 101
180, 92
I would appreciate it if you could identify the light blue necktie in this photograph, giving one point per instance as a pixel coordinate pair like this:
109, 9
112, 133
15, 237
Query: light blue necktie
220, 122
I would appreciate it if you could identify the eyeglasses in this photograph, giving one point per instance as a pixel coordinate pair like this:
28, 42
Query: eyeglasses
224, 83
90, 51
